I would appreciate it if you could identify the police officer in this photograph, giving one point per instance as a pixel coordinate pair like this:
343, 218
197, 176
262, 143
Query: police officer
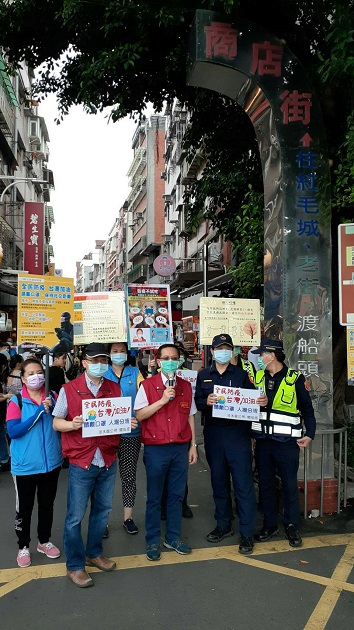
279, 437
244, 364
228, 446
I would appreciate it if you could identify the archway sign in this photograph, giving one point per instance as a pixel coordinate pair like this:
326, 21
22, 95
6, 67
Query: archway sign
254, 68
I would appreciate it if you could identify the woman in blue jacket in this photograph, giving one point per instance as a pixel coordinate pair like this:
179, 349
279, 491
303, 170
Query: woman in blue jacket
35, 460
129, 379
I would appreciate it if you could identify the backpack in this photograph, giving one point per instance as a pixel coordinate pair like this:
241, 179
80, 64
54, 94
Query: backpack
19, 399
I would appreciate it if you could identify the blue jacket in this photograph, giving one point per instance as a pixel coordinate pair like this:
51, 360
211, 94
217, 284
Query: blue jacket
39, 450
129, 387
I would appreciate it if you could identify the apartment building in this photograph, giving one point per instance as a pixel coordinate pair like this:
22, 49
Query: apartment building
145, 204
185, 246
24, 177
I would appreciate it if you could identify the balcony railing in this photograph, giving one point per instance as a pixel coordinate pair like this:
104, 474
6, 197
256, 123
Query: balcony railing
137, 274
137, 248
138, 162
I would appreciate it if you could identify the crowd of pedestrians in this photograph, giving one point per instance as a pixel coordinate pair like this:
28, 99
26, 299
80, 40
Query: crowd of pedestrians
43, 427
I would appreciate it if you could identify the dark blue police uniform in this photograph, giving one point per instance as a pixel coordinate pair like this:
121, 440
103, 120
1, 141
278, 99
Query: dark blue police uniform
280, 453
228, 451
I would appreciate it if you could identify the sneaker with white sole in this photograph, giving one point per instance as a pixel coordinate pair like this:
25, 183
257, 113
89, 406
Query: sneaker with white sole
50, 550
24, 558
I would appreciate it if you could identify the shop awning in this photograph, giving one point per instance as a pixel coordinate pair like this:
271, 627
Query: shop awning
222, 282
7, 288
186, 279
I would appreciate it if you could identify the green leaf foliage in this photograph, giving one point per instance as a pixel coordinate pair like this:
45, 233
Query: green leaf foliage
126, 54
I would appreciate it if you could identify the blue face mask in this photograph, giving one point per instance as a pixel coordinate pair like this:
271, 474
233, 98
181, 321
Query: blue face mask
169, 365
97, 369
223, 356
261, 364
119, 358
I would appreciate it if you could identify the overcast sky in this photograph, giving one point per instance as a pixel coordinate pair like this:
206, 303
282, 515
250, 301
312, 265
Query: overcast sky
90, 159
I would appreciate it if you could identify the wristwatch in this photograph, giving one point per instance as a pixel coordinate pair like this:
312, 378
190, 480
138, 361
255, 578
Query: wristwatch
194, 445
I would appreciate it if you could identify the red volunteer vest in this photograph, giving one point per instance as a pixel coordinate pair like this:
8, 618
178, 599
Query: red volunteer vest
79, 450
169, 424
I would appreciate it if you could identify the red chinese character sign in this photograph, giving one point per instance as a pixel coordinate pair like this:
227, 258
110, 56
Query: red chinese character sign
34, 238
251, 66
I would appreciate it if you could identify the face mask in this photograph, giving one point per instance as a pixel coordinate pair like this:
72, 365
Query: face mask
118, 358
223, 356
237, 351
97, 369
169, 365
181, 361
261, 364
35, 381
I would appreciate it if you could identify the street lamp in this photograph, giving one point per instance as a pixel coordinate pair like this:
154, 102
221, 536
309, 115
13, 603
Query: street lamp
33, 180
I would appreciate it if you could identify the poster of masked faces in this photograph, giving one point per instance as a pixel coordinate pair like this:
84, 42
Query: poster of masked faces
149, 315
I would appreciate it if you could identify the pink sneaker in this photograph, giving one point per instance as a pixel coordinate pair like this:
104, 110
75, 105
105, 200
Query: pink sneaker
23, 558
50, 550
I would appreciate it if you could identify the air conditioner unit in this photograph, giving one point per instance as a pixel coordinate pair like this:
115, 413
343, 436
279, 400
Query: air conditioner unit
167, 198
163, 175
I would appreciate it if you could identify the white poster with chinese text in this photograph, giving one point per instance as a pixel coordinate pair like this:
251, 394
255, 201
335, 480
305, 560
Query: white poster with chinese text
106, 416
190, 376
236, 403
234, 316
99, 317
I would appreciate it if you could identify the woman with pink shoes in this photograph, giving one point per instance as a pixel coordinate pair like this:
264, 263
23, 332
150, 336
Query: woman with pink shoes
35, 460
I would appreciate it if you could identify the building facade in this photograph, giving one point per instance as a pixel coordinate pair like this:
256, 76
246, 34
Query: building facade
24, 177
145, 204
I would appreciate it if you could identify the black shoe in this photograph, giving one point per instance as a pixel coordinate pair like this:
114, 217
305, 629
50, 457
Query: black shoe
293, 536
245, 545
130, 526
266, 533
106, 532
219, 533
186, 511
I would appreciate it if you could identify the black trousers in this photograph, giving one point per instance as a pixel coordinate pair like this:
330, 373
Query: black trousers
274, 457
26, 486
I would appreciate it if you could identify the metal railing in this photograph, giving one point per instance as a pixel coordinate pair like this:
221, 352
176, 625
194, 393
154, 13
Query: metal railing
323, 433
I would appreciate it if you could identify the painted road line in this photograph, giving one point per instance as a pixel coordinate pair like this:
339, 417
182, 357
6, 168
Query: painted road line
329, 599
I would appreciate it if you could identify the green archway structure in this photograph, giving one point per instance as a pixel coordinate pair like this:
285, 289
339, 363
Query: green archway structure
251, 66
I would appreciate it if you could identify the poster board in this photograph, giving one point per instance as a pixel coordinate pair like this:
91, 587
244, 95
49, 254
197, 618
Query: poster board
149, 315
45, 310
99, 317
236, 317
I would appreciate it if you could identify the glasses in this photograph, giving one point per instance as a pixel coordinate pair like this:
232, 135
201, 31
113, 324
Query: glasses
97, 360
174, 358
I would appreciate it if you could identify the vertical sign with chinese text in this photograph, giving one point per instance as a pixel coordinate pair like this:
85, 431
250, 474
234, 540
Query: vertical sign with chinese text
350, 354
34, 237
261, 74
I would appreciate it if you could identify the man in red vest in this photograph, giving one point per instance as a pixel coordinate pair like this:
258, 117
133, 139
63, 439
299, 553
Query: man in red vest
165, 408
93, 466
